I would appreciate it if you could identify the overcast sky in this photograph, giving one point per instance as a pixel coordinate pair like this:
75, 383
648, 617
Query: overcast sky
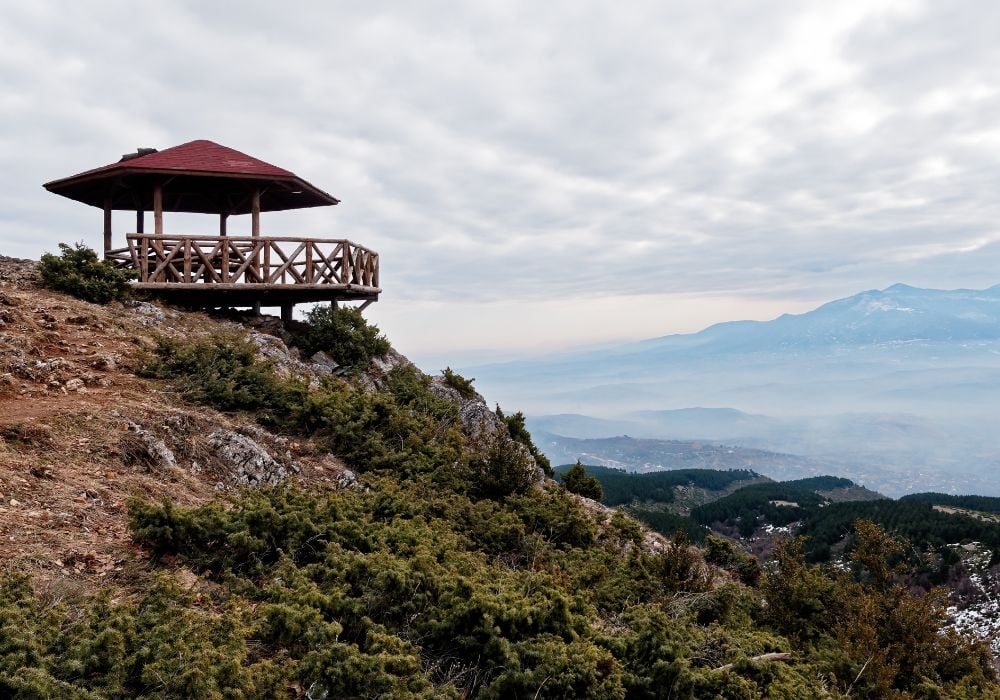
542, 175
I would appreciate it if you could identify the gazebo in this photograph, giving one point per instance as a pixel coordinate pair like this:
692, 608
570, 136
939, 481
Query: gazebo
203, 177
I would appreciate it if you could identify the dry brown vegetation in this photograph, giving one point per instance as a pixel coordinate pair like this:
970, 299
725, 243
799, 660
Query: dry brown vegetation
68, 460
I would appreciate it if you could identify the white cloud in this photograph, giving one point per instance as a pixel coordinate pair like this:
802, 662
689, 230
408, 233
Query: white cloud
511, 152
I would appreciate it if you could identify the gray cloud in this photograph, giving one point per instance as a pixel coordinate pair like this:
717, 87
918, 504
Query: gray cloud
567, 150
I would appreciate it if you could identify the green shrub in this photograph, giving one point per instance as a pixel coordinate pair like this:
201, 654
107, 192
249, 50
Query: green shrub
459, 383
224, 372
162, 645
79, 272
556, 517
408, 433
576, 480
406, 429
408, 590
552, 668
518, 431
501, 467
343, 334
725, 554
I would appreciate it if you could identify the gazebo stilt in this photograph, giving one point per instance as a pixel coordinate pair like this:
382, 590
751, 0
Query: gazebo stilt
287, 312
107, 226
255, 233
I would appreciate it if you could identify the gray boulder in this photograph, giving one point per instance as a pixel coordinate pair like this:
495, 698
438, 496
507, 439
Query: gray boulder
245, 461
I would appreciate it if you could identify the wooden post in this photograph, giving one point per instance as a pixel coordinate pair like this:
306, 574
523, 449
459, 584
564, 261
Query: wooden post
187, 260
158, 219
255, 233
287, 312
143, 259
255, 214
107, 226
345, 265
223, 218
140, 221
158, 209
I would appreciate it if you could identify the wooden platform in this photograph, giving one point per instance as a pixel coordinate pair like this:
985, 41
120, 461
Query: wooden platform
210, 271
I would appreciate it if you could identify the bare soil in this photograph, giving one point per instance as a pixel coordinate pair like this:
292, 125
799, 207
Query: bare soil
68, 392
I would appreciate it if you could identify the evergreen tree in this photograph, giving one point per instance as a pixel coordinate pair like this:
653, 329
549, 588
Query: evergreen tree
578, 481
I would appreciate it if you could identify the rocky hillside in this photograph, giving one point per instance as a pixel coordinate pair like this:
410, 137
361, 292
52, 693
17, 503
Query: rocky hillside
80, 432
193, 508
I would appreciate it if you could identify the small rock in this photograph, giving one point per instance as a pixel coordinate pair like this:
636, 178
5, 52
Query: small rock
148, 314
105, 363
74, 384
375, 376
323, 364
248, 463
285, 362
141, 446
347, 479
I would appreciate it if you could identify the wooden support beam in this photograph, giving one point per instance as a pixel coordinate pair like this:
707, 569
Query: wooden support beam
222, 224
187, 260
140, 221
287, 312
107, 226
158, 209
255, 214
144, 259
255, 233
364, 306
225, 261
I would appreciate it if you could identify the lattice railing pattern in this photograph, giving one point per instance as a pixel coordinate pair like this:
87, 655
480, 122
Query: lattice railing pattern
247, 260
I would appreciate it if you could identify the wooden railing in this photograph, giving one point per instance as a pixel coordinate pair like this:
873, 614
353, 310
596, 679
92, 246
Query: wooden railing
215, 260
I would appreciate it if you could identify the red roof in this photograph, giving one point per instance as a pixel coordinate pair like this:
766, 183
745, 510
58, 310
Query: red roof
204, 176
200, 156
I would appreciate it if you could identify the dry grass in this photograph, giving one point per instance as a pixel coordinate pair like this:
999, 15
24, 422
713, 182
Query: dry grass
68, 462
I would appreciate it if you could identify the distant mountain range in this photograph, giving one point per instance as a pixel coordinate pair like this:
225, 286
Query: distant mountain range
904, 380
897, 314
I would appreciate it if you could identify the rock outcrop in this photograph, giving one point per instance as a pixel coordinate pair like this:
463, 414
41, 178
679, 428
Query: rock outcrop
141, 446
373, 378
483, 426
245, 461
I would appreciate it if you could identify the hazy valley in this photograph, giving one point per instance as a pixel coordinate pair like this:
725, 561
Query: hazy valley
896, 388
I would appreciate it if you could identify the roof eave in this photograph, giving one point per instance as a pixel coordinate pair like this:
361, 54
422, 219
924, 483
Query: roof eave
55, 185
